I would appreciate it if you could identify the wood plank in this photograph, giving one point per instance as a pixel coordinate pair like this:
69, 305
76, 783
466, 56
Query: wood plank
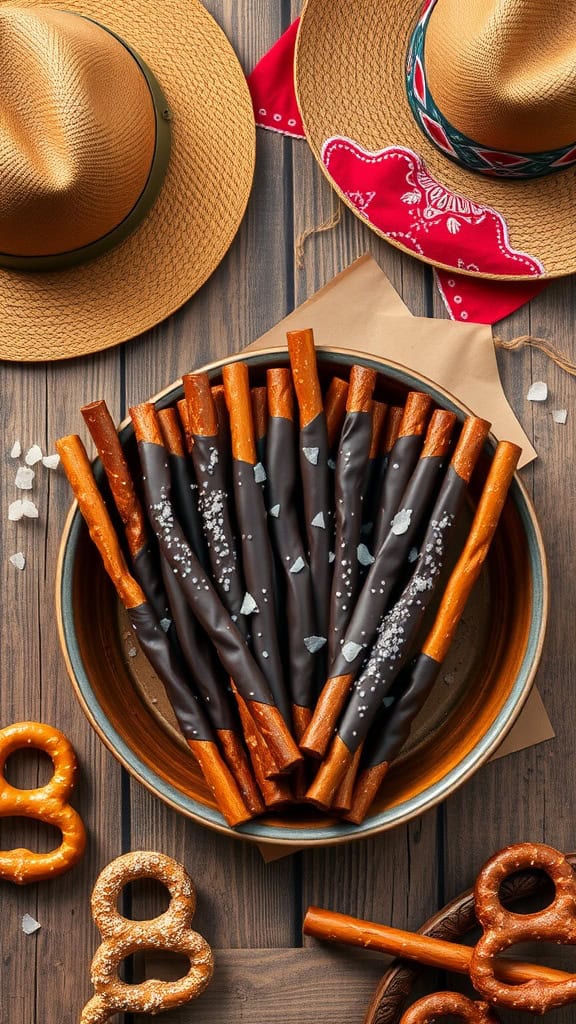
280, 986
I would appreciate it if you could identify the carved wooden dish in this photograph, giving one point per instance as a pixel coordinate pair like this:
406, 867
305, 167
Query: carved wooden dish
477, 698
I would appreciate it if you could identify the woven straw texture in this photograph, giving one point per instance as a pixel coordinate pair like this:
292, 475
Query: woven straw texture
350, 67
57, 315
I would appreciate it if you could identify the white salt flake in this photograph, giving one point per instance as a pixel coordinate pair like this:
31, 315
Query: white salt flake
401, 521
331, 556
15, 511
18, 560
16, 450
51, 461
165, 624
24, 478
29, 509
560, 415
331, 464
351, 650
275, 511
388, 702
412, 555
319, 521
132, 652
33, 455
364, 555
30, 925
248, 605
259, 473
298, 565
537, 392
312, 455
314, 643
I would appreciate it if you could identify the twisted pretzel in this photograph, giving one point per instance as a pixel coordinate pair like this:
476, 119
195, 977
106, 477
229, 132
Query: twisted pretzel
48, 803
443, 1004
171, 930
504, 928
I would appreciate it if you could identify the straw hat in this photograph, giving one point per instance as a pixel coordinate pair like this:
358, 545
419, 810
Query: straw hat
127, 147
450, 130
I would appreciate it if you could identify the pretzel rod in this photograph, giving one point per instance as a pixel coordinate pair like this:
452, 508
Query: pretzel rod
151, 637
342, 802
375, 467
401, 461
398, 720
314, 451
182, 407
330, 926
144, 559
288, 544
201, 595
391, 428
276, 792
184, 486
213, 500
259, 403
335, 409
350, 475
257, 559
396, 632
382, 575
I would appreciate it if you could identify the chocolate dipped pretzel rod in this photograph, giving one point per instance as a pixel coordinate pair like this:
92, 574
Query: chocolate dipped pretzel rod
284, 527
229, 643
144, 561
314, 453
248, 474
185, 488
191, 719
350, 476
335, 409
396, 634
259, 403
395, 727
382, 575
213, 494
401, 461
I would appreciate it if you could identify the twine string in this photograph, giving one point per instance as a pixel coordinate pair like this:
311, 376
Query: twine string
542, 345
332, 222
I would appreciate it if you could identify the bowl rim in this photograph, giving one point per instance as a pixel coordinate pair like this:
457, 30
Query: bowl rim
339, 832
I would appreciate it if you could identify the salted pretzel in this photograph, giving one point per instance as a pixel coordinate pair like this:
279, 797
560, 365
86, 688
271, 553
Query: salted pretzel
48, 803
449, 1004
504, 928
122, 937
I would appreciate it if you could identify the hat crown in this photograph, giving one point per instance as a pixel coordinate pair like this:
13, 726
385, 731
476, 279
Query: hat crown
503, 72
77, 131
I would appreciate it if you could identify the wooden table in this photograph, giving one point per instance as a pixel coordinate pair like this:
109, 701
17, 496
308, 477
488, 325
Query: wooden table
253, 912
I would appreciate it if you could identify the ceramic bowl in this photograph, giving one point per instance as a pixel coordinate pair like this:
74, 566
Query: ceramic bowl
477, 698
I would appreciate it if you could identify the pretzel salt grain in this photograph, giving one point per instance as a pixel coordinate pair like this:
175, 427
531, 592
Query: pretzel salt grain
48, 803
122, 937
453, 1004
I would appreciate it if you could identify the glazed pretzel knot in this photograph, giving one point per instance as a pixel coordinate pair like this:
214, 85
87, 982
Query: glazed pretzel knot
503, 928
49, 803
443, 1004
171, 931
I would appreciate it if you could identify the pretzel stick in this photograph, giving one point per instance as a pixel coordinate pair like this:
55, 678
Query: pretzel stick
184, 486
398, 629
275, 792
144, 561
350, 476
374, 470
201, 595
449, 956
314, 452
257, 557
397, 722
259, 403
401, 461
224, 443
191, 719
382, 575
182, 407
335, 409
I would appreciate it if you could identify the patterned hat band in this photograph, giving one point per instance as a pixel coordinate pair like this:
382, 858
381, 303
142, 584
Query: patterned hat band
454, 144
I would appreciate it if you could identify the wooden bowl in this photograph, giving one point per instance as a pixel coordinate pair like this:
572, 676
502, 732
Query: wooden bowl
477, 698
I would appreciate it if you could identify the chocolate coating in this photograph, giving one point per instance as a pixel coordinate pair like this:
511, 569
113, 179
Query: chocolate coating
152, 639
384, 572
317, 508
289, 546
258, 572
185, 496
399, 468
146, 565
394, 728
399, 628
200, 594
350, 477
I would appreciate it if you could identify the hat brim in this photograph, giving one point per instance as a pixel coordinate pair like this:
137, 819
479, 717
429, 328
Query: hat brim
66, 313
350, 84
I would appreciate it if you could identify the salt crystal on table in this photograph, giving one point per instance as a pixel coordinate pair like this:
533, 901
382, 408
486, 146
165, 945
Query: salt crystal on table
33, 455
18, 560
51, 461
314, 643
15, 511
537, 392
30, 925
560, 415
24, 478
16, 450
29, 509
